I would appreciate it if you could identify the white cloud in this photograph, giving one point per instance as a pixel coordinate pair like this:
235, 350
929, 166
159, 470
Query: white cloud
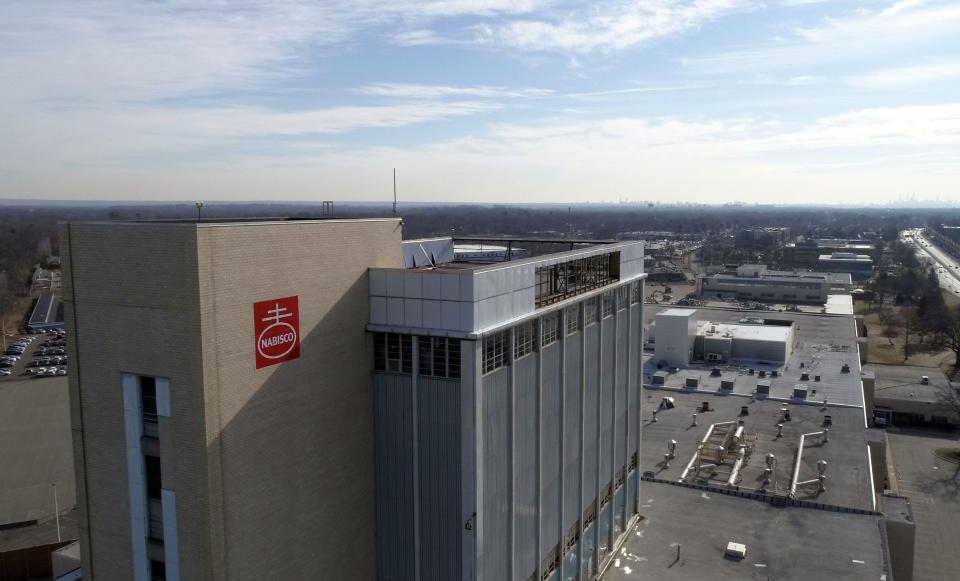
416, 91
908, 77
862, 36
607, 26
418, 37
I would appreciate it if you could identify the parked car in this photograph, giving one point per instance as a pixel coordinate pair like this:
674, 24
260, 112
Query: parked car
62, 371
5, 372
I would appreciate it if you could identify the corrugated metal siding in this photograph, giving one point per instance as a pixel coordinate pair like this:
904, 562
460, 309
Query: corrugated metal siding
760, 350
550, 452
606, 401
525, 478
438, 403
571, 431
591, 363
623, 366
393, 409
636, 355
494, 546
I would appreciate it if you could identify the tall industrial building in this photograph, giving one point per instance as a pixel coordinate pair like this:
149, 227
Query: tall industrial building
507, 413
212, 444
319, 400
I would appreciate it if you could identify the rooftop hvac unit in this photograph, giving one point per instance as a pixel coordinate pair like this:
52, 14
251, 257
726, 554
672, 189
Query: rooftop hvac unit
715, 372
816, 378
762, 373
726, 384
763, 388
736, 550
692, 382
804, 376
774, 373
845, 368
800, 392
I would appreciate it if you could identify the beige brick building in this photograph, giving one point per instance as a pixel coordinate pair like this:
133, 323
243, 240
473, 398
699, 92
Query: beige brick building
192, 462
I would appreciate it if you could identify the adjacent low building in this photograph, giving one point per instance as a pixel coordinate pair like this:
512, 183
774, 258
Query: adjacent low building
906, 395
807, 252
859, 266
756, 282
47, 313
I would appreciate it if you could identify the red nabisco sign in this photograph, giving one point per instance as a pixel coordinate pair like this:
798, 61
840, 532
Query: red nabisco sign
276, 330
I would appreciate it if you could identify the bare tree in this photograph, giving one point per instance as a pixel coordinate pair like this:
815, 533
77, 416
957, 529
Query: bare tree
891, 331
950, 327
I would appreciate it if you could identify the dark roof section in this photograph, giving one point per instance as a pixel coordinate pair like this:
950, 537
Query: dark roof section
47, 312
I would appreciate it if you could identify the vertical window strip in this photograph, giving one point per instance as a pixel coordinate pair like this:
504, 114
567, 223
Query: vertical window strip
524, 336
550, 328
572, 317
590, 311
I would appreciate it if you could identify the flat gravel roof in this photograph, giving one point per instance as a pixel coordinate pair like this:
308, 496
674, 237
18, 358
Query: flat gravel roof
782, 543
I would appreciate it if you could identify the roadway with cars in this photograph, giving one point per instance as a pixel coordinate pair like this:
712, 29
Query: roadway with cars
948, 268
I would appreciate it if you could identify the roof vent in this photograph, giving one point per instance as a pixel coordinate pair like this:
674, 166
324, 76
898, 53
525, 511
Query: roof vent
924, 379
804, 376
845, 368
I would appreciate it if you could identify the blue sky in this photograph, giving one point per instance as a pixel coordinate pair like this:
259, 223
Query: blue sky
795, 101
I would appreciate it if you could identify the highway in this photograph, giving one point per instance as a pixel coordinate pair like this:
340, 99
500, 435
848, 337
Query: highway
948, 268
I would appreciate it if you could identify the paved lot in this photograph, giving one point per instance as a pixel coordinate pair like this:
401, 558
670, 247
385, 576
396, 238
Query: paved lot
35, 448
933, 486
782, 543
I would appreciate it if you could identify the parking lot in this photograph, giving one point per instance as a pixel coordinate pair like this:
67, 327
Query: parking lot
34, 356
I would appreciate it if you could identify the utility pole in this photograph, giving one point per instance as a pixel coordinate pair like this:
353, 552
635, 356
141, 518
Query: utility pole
394, 191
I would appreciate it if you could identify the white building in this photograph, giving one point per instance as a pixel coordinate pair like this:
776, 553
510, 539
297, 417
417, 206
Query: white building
756, 282
682, 339
676, 330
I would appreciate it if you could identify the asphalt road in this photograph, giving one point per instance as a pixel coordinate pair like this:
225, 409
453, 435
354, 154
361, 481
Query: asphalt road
933, 486
948, 269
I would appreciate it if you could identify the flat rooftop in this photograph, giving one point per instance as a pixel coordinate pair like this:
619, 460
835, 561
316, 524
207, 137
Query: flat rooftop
839, 305
36, 450
784, 275
753, 332
48, 311
903, 382
848, 482
822, 345
786, 544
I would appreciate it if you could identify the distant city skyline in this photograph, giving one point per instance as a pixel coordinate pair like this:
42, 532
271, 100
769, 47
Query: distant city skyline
522, 101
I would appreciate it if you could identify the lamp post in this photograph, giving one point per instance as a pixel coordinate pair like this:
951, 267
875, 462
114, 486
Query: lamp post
199, 206
56, 509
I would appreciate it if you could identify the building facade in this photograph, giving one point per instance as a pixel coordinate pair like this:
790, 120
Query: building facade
756, 282
220, 397
859, 266
507, 402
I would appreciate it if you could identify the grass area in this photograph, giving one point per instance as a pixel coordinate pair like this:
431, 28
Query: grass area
882, 351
